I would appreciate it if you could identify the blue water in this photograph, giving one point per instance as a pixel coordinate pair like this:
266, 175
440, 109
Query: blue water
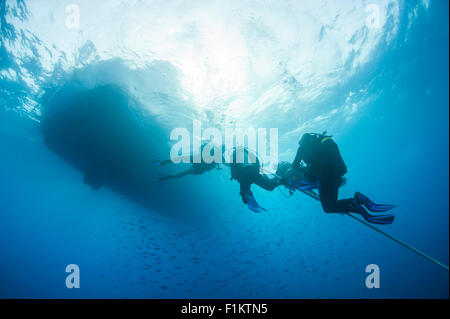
299, 66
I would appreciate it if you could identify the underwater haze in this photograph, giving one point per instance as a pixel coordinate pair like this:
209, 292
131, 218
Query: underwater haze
373, 74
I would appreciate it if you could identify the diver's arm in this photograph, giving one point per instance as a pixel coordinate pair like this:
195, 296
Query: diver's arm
165, 177
267, 183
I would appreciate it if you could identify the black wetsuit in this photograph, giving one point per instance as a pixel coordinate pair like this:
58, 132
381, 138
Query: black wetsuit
247, 174
283, 168
262, 180
202, 167
326, 167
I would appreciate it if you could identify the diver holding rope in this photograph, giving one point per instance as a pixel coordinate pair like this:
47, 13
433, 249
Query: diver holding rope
324, 169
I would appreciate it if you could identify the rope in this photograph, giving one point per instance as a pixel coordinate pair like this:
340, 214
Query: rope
398, 241
418, 252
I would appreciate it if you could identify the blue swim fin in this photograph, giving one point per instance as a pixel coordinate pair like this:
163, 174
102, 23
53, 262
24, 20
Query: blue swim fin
162, 178
301, 185
253, 205
380, 219
305, 187
156, 161
364, 200
385, 219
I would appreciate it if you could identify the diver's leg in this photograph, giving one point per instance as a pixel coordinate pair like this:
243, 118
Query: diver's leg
182, 173
157, 161
266, 183
245, 190
163, 178
248, 198
328, 192
165, 162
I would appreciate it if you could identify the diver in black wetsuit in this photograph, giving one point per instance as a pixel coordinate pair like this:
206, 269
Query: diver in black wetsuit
195, 169
246, 172
325, 166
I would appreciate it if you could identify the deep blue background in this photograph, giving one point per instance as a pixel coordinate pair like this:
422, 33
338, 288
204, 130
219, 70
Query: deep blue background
396, 153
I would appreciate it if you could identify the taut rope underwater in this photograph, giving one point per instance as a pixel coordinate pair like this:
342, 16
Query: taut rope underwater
418, 252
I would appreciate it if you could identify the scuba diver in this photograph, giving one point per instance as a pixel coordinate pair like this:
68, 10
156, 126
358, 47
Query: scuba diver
325, 169
247, 172
195, 169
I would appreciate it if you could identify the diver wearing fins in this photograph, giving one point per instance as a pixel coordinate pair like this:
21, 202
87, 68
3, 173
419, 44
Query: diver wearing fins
247, 172
195, 169
325, 168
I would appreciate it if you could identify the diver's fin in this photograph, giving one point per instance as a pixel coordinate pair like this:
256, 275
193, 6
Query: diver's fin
253, 208
364, 200
300, 185
156, 160
380, 219
374, 219
253, 205
305, 187
162, 178
380, 208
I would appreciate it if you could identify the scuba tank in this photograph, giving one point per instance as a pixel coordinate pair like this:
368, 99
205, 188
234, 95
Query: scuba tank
313, 139
321, 156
